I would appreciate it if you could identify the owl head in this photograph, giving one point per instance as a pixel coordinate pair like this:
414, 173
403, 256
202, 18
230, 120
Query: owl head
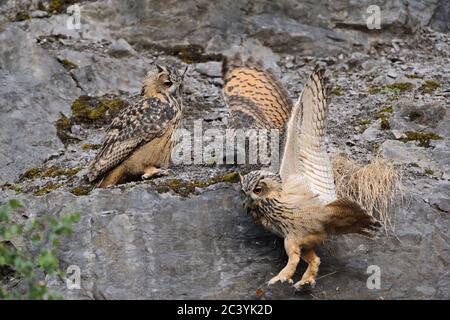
166, 80
259, 185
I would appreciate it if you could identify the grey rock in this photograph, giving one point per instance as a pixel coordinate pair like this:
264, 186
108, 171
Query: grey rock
98, 75
398, 134
371, 133
39, 14
412, 115
392, 74
134, 243
290, 36
121, 48
34, 90
211, 69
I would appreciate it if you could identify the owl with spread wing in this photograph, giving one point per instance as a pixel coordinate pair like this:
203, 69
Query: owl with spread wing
297, 203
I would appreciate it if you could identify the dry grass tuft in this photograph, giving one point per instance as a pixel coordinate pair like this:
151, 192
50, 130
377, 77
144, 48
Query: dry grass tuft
376, 186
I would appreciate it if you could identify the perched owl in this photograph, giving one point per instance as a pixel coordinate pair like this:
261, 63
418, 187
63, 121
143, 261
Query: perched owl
138, 142
299, 203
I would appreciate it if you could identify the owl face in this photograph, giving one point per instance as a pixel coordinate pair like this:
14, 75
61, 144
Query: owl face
257, 186
167, 80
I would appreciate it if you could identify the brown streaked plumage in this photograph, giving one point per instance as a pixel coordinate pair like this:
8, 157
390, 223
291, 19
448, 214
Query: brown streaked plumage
299, 203
254, 96
138, 142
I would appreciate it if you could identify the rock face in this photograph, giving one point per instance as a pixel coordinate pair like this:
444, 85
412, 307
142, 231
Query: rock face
185, 235
34, 89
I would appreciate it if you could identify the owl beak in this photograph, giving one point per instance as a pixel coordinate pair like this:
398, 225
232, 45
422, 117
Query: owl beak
248, 203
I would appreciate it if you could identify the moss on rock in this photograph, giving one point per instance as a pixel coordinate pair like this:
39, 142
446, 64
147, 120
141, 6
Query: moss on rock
22, 16
31, 173
59, 6
63, 128
53, 172
374, 89
88, 146
69, 65
422, 138
96, 110
185, 188
337, 90
48, 188
398, 86
385, 124
429, 86
81, 190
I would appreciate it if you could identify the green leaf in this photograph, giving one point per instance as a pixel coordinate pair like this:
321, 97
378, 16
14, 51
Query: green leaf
4, 214
30, 224
47, 261
36, 238
14, 203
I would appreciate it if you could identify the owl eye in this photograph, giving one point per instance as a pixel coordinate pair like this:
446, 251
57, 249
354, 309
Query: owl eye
257, 191
168, 83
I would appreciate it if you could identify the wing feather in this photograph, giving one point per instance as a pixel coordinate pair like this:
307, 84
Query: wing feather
305, 151
254, 96
136, 125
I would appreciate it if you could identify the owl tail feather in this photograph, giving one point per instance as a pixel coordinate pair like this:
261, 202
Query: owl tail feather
346, 216
375, 186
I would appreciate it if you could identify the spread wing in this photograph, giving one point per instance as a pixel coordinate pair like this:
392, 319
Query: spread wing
254, 96
305, 150
136, 125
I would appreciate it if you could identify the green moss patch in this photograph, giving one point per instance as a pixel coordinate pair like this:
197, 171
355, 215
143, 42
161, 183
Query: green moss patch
414, 75
423, 138
364, 122
59, 6
48, 188
429, 86
398, 87
69, 65
63, 129
12, 186
87, 146
81, 190
192, 53
337, 90
387, 109
22, 16
385, 124
185, 188
31, 173
51, 172
96, 110
374, 89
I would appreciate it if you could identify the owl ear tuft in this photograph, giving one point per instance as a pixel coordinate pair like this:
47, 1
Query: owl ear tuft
160, 68
184, 72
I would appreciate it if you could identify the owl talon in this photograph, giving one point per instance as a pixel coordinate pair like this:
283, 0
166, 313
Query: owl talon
280, 278
310, 281
164, 172
155, 173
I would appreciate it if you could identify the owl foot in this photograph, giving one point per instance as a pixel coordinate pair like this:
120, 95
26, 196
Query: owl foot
282, 277
308, 281
155, 172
